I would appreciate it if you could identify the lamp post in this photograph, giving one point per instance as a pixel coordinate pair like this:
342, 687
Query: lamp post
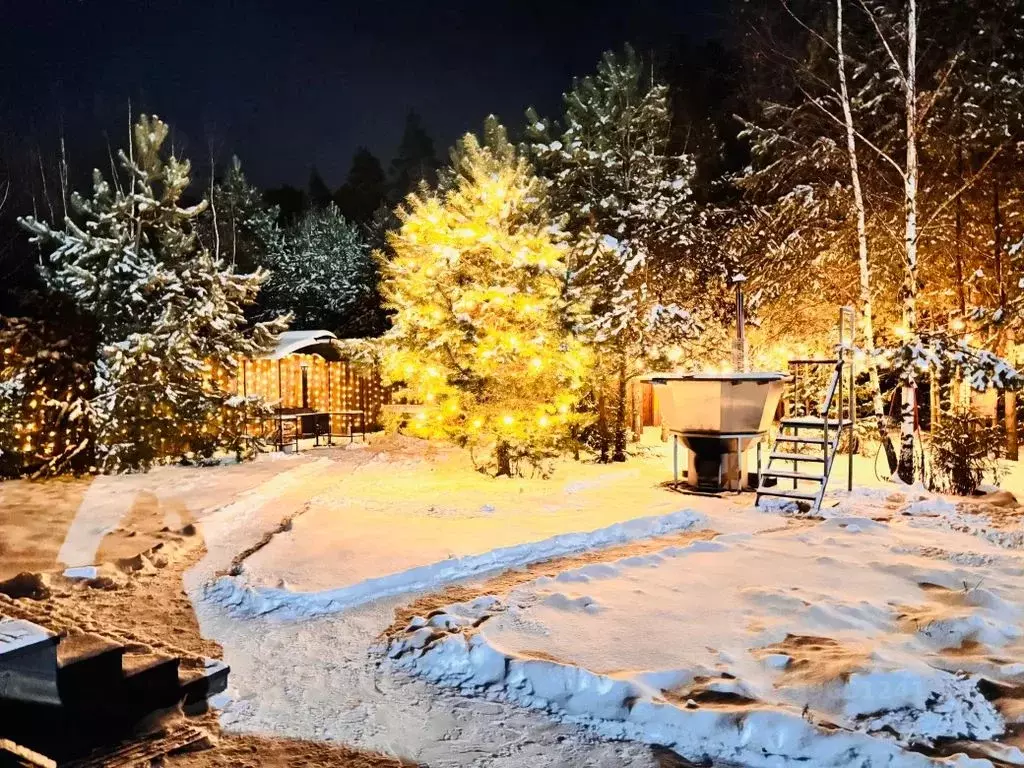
304, 367
280, 406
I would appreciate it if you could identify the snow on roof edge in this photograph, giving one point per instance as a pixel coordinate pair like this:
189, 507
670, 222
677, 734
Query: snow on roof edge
292, 342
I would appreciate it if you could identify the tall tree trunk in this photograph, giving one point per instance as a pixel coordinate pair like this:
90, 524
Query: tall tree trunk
503, 458
603, 439
866, 304
619, 445
909, 391
997, 242
636, 410
959, 237
1007, 342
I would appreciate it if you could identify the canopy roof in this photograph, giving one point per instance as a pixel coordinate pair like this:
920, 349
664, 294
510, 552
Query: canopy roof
323, 343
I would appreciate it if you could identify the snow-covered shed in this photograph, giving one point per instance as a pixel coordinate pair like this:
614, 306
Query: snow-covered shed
311, 373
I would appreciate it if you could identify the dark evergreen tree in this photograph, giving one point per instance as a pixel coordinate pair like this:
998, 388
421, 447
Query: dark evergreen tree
290, 203
364, 190
415, 162
319, 193
706, 94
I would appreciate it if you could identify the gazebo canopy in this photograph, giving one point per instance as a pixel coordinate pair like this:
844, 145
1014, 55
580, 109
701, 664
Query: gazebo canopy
322, 343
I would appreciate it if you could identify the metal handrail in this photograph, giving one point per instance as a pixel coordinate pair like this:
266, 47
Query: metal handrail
835, 382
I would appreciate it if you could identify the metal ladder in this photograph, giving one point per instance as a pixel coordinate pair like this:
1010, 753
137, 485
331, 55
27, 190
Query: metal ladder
821, 430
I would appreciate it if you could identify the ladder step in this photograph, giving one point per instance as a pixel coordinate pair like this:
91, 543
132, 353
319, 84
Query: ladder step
815, 361
813, 422
800, 440
797, 457
788, 473
787, 493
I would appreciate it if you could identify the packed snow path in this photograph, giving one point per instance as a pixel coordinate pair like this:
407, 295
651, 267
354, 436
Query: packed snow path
398, 523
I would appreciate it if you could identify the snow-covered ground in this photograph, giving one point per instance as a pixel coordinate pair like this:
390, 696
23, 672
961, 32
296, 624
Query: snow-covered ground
748, 636
786, 647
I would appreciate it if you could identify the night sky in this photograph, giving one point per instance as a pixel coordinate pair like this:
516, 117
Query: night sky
291, 84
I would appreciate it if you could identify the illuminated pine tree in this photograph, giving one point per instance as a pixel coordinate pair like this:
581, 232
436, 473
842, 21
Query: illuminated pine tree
168, 315
479, 332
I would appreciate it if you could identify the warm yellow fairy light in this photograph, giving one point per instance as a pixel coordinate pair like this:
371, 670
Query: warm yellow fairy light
508, 419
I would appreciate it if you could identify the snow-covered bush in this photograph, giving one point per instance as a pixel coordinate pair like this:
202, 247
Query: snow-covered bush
965, 449
45, 387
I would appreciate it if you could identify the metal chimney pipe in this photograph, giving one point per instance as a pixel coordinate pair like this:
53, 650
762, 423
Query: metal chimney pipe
739, 357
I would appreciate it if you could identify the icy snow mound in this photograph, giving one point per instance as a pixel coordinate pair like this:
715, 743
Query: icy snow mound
243, 599
620, 708
844, 644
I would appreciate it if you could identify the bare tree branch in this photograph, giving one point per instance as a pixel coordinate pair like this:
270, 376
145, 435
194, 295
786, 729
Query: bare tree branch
885, 43
880, 152
806, 27
962, 188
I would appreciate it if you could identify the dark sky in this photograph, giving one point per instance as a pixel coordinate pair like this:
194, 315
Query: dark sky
288, 84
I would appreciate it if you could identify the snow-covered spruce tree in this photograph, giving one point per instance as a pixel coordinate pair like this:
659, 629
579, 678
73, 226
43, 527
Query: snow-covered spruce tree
479, 332
238, 227
627, 203
324, 274
168, 316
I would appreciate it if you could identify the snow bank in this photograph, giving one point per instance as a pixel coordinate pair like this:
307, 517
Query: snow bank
243, 599
619, 708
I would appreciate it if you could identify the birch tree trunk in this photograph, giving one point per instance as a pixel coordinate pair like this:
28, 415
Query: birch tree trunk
866, 304
909, 391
